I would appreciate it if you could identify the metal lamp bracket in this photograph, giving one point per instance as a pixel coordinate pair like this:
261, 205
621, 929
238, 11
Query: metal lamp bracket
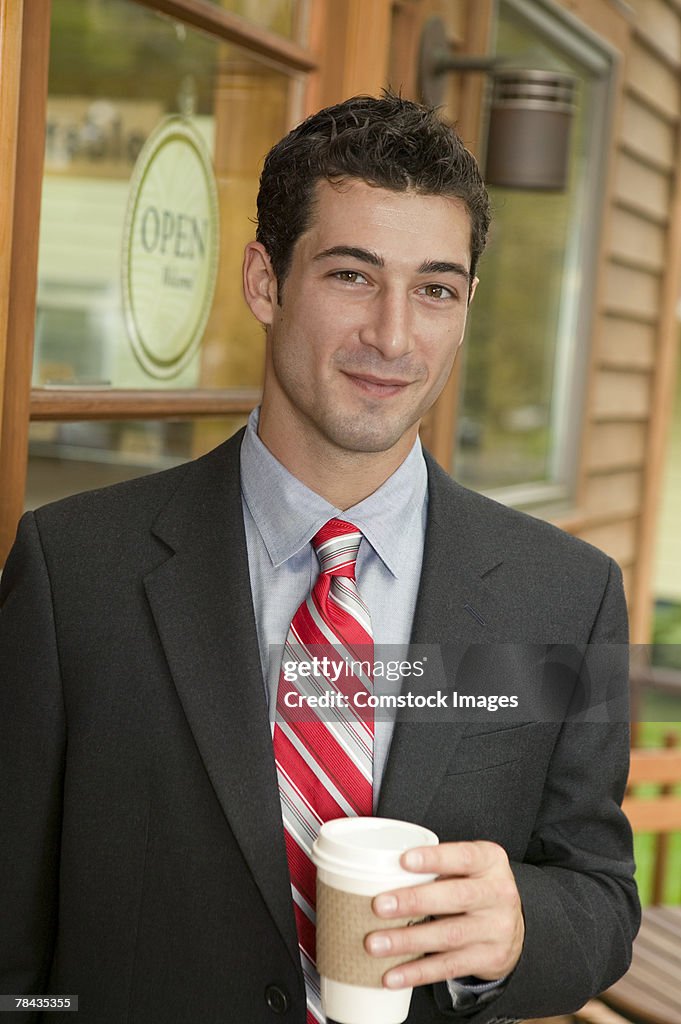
436, 60
530, 112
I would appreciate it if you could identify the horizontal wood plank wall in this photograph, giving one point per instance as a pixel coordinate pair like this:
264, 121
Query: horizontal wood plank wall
635, 329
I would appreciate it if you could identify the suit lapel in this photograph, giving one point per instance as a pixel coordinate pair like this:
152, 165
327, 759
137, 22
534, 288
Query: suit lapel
456, 605
201, 602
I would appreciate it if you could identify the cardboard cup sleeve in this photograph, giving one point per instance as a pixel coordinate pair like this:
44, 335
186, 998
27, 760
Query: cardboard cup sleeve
344, 919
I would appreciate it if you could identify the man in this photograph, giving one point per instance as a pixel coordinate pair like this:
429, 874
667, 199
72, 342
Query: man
146, 815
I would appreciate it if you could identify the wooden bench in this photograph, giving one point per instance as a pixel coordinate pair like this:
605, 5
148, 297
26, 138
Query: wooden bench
651, 990
660, 813
595, 1012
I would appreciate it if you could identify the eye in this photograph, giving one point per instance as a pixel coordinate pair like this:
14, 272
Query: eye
349, 276
438, 291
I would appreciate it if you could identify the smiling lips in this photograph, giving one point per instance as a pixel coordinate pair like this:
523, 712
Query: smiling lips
377, 386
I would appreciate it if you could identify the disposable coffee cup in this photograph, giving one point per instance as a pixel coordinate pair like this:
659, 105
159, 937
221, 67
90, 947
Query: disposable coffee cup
357, 858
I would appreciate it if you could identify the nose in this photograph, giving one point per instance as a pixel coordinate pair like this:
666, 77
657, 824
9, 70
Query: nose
388, 326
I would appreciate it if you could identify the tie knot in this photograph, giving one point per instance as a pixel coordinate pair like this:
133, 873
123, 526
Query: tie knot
337, 544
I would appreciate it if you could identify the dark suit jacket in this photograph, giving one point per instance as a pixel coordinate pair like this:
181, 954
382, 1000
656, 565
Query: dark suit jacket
142, 862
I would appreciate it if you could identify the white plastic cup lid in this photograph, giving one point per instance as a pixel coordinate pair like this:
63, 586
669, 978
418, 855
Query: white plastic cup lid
362, 847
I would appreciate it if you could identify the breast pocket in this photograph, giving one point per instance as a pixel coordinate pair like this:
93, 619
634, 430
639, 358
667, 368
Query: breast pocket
493, 786
491, 749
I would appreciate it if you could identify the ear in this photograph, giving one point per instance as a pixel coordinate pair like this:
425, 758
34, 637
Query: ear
259, 283
474, 285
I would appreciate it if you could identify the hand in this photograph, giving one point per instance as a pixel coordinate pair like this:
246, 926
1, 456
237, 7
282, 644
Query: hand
476, 927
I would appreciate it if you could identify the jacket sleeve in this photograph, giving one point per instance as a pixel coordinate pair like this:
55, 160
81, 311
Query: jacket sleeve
576, 882
32, 745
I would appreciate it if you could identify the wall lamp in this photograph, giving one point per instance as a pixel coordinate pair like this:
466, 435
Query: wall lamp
528, 140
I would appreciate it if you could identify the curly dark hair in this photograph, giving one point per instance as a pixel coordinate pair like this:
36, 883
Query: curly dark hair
388, 142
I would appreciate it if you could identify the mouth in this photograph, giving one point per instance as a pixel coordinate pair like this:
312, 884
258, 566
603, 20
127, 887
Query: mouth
381, 387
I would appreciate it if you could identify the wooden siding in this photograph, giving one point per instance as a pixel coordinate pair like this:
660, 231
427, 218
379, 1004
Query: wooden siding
634, 332
617, 539
626, 343
643, 188
618, 492
635, 237
646, 134
659, 23
615, 445
619, 397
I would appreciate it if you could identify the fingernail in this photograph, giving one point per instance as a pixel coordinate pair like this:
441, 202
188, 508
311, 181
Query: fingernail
379, 944
413, 860
394, 979
386, 904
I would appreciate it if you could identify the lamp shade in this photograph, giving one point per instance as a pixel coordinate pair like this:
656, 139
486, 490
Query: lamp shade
528, 144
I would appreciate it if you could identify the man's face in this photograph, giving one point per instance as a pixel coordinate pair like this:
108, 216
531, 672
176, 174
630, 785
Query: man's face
372, 314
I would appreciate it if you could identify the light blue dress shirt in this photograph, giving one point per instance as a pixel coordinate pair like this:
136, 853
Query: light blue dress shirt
282, 515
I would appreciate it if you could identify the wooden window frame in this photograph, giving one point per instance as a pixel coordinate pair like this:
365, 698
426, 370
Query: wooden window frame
24, 52
28, 63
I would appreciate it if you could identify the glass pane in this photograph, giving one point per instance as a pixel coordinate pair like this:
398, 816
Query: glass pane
519, 358
66, 458
285, 17
117, 72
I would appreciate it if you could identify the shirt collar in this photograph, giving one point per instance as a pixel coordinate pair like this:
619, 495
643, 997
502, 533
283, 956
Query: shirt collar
287, 514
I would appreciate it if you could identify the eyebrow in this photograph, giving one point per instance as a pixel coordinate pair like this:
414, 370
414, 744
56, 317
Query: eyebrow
443, 267
368, 256
365, 255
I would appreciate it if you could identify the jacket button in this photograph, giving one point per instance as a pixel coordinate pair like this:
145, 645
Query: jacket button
277, 999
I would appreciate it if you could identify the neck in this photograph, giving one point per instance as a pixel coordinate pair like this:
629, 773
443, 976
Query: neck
343, 478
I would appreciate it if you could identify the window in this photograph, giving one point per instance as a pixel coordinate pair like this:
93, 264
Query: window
525, 356
118, 72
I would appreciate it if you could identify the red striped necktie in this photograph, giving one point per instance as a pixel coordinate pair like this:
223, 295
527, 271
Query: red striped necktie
324, 756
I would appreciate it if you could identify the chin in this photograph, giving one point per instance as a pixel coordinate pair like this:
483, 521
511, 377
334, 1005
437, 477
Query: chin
359, 437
